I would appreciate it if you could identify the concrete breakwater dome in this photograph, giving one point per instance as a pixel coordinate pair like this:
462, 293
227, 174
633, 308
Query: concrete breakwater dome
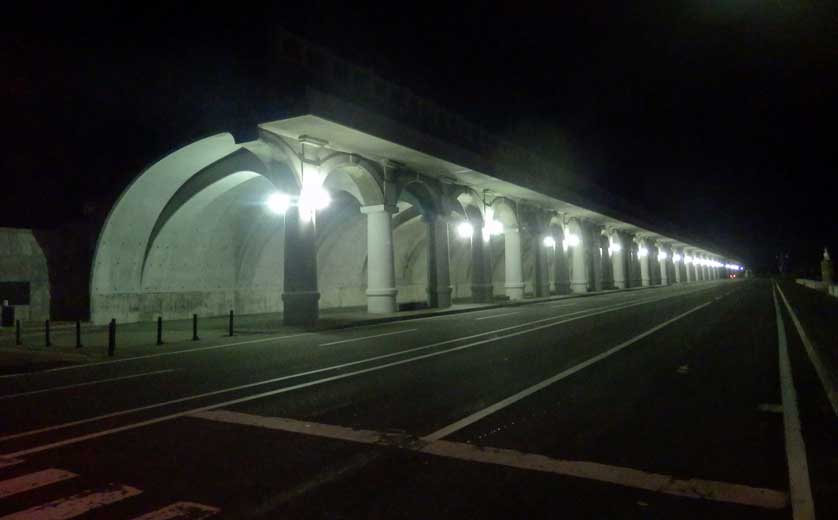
316, 214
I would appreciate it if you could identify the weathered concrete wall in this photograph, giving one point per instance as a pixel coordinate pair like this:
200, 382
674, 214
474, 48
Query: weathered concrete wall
23, 260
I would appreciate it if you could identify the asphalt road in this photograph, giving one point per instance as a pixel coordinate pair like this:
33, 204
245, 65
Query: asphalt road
663, 403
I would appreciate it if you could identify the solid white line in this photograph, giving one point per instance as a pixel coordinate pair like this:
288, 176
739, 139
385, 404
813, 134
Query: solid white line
655, 482
497, 316
188, 510
830, 385
35, 480
75, 505
489, 410
157, 355
802, 504
86, 383
350, 340
176, 415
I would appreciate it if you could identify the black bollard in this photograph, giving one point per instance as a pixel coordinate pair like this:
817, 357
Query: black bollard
195, 327
230, 327
46, 334
111, 337
160, 330
78, 334
17, 333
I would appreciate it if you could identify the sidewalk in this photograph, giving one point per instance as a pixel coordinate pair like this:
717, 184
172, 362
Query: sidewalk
136, 339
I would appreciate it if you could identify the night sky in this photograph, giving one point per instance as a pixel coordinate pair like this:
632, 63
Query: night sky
719, 116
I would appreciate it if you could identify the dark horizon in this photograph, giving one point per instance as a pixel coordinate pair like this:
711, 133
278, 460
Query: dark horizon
709, 116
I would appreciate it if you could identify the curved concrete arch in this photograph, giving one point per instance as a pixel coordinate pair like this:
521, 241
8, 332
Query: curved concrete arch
506, 212
355, 175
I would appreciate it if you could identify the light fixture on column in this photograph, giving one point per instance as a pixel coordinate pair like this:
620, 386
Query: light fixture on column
661, 256
676, 258
465, 230
642, 252
490, 225
688, 259
549, 242
613, 246
313, 197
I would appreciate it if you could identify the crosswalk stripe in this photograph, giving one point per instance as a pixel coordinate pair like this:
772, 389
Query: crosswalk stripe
35, 480
75, 505
5, 462
189, 510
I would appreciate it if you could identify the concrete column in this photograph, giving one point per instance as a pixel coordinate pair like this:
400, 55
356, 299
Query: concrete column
663, 261
578, 277
618, 264
607, 268
561, 265
596, 259
299, 295
677, 264
381, 271
439, 273
643, 258
514, 280
542, 276
700, 276
481, 269
689, 267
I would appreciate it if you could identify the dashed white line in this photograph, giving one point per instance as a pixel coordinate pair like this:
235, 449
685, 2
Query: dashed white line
86, 383
186, 510
31, 481
350, 340
76, 505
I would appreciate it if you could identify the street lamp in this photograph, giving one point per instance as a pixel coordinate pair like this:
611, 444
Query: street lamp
465, 230
278, 202
549, 242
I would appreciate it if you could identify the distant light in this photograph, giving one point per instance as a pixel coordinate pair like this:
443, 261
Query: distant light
662, 255
642, 252
549, 242
278, 203
688, 259
572, 240
676, 258
615, 247
465, 230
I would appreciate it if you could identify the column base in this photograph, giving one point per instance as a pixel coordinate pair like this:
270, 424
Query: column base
443, 296
515, 291
579, 287
619, 284
645, 282
482, 293
382, 301
300, 308
563, 288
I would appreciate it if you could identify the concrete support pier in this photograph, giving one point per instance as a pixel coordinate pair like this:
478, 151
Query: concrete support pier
439, 272
300, 297
514, 283
381, 271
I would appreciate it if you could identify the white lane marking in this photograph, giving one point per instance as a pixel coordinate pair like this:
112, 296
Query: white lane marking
188, 510
156, 355
5, 462
802, 504
627, 477
599, 310
156, 420
830, 385
350, 340
489, 410
35, 480
562, 304
76, 505
770, 408
497, 316
86, 383
655, 482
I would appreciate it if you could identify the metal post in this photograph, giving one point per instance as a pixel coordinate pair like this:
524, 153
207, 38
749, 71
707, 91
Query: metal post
160, 330
195, 327
78, 334
111, 337
230, 328
17, 333
46, 334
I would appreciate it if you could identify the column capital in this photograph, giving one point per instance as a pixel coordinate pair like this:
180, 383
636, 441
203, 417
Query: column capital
379, 208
